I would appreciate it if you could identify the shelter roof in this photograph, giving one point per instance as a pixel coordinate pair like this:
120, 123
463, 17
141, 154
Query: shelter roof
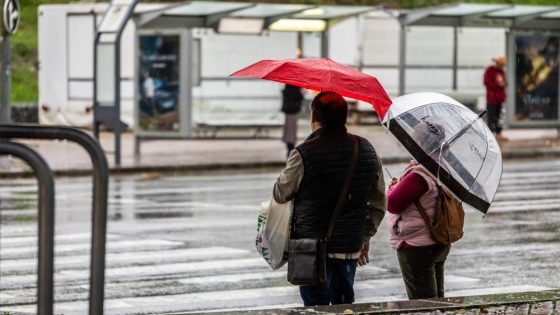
263, 10
330, 12
527, 17
209, 13
205, 8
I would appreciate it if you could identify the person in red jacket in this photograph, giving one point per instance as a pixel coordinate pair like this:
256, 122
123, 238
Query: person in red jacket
495, 82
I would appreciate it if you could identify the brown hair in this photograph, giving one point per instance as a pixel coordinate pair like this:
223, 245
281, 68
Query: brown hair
329, 109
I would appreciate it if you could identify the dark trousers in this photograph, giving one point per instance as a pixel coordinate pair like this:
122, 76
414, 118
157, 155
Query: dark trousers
339, 287
422, 270
494, 111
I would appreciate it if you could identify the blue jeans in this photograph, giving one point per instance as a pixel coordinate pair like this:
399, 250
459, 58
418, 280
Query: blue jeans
339, 287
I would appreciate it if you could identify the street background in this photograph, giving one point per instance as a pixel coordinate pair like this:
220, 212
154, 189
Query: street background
180, 243
219, 153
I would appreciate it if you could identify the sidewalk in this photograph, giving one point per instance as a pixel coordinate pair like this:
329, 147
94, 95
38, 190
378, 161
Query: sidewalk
221, 154
533, 303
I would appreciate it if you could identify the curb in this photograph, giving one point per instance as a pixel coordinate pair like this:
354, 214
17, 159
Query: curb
183, 169
541, 153
478, 304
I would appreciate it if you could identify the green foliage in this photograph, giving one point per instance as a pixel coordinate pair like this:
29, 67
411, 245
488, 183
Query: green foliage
25, 84
24, 42
24, 55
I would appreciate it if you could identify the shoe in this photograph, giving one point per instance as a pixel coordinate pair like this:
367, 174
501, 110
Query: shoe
502, 138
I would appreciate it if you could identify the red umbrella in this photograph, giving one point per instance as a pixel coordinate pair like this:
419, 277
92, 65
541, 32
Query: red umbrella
322, 74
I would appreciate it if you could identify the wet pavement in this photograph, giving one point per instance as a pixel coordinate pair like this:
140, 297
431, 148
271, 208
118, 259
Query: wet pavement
186, 244
67, 158
532, 303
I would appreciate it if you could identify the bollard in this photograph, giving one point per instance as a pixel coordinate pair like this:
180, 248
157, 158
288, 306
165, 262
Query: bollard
46, 221
100, 193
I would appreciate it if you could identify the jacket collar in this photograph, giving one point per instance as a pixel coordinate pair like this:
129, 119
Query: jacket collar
327, 131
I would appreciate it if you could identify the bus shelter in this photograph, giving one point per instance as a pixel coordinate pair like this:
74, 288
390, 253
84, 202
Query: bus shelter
532, 41
168, 56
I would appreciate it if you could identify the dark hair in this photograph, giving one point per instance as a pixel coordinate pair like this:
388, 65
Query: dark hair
329, 110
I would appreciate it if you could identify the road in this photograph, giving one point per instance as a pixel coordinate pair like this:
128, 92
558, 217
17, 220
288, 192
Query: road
186, 243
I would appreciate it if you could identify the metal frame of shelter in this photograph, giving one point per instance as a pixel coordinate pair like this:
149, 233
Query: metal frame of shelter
106, 74
229, 18
529, 19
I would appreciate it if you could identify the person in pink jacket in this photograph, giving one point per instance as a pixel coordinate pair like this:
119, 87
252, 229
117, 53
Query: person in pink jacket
421, 259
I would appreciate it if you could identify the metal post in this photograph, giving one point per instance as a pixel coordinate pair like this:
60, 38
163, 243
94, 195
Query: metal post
299, 45
137, 144
46, 221
117, 112
108, 111
455, 53
325, 44
5, 79
187, 78
100, 193
96, 122
402, 55
361, 40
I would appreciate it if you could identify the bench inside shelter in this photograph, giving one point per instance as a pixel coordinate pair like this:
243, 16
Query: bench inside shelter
211, 127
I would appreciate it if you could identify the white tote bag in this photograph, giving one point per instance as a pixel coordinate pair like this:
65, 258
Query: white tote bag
273, 232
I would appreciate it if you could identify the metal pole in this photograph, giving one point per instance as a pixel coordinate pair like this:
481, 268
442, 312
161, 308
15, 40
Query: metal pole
137, 141
100, 193
46, 221
117, 112
325, 44
188, 82
299, 45
361, 40
455, 53
5, 79
402, 55
95, 103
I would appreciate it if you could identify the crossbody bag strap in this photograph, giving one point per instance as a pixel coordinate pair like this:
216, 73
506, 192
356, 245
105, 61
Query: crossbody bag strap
344, 192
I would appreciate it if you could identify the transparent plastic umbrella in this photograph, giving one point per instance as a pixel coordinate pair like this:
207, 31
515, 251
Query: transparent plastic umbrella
452, 142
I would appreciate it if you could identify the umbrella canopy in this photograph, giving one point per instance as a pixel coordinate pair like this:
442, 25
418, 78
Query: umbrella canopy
322, 74
452, 142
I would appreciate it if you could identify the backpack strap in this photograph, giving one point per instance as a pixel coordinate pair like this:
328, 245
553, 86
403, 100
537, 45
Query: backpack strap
423, 213
425, 173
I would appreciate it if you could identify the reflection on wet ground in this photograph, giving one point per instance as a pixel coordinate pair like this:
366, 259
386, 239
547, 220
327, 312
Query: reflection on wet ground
186, 243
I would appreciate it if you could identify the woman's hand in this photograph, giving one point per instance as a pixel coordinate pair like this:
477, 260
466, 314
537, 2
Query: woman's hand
394, 181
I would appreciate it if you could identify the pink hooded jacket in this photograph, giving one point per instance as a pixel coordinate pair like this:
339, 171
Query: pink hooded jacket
408, 225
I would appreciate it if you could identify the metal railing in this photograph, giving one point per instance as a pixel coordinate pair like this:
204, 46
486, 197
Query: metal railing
45, 180
100, 194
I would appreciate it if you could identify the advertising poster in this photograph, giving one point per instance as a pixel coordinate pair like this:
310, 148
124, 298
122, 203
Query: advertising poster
158, 86
536, 78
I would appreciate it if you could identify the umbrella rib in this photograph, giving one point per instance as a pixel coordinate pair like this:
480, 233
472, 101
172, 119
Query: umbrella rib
330, 73
475, 181
462, 131
459, 133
